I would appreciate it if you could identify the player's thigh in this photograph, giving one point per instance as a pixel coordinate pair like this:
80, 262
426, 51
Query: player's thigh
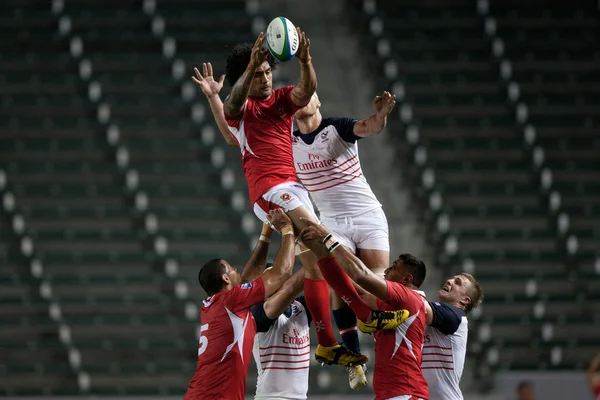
371, 236
295, 200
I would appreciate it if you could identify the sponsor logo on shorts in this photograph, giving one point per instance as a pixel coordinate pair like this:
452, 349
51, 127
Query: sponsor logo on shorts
285, 197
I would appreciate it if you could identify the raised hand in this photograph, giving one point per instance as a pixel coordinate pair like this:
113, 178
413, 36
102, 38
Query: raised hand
278, 218
207, 82
259, 54
384, 104
312, 237
303, 53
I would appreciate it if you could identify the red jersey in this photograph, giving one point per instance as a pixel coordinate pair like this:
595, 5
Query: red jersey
597, 391
226, 340
398, 352
264, 135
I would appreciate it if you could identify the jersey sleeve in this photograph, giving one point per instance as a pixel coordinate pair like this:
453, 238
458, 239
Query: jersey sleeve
401, 297
302, 301
263, 323
345, 128
286, 102
246, 295
446, 318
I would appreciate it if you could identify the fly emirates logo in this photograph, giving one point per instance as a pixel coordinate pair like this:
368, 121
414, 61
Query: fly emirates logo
296, 339
315, 162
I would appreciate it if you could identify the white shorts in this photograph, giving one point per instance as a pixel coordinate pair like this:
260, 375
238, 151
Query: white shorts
367, 231
288, 195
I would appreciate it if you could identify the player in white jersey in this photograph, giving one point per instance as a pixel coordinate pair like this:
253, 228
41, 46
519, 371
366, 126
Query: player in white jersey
328, 165
445, 342
282, 343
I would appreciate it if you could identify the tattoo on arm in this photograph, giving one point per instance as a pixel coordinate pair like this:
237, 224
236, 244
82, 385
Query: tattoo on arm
307, 85
239, 93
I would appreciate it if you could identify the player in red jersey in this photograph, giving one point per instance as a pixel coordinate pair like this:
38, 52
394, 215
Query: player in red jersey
228, 328
397, 373
592, 378
260, 119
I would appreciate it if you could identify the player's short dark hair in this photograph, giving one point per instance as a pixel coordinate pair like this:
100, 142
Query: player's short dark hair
238, 60
210, 276
416, 267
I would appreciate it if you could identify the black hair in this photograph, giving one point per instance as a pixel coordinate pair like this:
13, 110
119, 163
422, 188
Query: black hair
416, 267
210, 276
238, 60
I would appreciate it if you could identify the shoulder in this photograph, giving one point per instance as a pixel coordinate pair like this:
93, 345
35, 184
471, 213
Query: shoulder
446, 317
263, 323
344, 127
282, 91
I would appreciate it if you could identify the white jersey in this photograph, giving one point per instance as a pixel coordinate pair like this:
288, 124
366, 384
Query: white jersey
327, 163
282, 353
444, 351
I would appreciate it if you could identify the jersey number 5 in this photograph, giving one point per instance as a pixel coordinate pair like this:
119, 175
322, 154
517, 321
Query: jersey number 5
203, 340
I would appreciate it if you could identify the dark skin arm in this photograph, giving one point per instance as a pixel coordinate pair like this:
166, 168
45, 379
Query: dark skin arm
306, 87
275, 277
276, 304
234, 104
258, 260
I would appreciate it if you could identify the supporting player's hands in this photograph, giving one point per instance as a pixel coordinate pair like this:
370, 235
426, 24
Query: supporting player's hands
207, 82
259, 53
303, 52
279, 219
266, 230
384, 104
312, 237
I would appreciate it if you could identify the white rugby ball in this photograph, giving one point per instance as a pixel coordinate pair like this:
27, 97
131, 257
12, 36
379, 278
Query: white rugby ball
282, 39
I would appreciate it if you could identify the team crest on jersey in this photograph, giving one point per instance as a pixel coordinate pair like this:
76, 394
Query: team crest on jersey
285, 197
294, 140
247, 285
324, 137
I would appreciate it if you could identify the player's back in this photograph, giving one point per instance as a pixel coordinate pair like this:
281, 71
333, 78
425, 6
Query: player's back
444, 351
225, 345
398, 352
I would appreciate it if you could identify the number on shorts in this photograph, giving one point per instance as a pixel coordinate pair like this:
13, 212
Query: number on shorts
203, 343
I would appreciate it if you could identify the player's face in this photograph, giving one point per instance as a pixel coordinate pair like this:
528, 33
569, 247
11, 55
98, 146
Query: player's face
233, 275
455, 289
262, 83
311, 108
397, 272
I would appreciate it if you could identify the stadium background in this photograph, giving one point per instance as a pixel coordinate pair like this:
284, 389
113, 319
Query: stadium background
116, 186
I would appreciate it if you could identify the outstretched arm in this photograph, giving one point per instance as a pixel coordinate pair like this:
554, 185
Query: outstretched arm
592, 370
319, 240
277, 303
211, 89
307, 86
258, 260
275, 277
382, 106
234, 104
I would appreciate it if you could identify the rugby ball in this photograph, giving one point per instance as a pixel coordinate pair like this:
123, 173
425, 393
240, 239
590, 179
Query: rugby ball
282, 39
